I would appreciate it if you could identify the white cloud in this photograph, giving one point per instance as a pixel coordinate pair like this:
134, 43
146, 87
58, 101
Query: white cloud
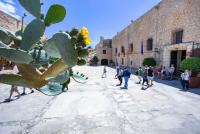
10, 2
9, 8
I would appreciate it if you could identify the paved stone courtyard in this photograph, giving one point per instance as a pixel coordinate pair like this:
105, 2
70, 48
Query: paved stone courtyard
99, 107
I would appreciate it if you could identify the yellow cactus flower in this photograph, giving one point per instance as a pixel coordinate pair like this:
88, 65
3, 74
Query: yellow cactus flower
84, 34
84, 31
87, 41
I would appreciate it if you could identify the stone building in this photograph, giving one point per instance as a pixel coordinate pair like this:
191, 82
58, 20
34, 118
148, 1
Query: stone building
9, 22
104, 51
168, 33
12, 24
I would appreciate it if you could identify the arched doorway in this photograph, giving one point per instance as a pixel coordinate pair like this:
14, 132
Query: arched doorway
104, 62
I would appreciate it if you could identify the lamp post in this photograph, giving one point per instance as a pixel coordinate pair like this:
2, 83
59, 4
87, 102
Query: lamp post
24, 15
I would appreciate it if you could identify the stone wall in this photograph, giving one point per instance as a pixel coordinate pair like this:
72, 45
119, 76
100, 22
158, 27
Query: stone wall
159, 24
9, 22
12, 24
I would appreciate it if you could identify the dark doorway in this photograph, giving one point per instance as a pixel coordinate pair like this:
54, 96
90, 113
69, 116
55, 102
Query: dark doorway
104, 62
176, 58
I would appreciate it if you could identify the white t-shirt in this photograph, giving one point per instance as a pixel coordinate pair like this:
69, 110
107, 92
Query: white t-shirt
172, 69
186, 76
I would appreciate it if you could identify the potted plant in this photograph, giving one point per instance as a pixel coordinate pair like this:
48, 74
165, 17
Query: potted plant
193, 65
94, 61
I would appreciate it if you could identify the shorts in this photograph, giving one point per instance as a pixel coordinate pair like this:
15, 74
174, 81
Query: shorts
150, 77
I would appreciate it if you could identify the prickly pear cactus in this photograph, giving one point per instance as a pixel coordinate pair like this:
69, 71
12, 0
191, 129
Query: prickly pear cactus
44, 64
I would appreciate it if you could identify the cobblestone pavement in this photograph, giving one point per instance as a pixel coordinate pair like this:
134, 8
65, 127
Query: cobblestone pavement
100, 107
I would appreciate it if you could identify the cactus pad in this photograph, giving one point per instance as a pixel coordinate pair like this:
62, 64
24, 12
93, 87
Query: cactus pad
51, 49
66, 48
55, 14
15, 55
51, 89
13, 79
32, 6
32, 34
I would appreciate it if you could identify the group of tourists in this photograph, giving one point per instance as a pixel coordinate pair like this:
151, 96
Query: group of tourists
165, 73
122, 73
147, 74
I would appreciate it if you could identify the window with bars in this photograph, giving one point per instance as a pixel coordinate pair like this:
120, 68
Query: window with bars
150, 44
104, 51
115, 51
123, 50
131, 48
177, 37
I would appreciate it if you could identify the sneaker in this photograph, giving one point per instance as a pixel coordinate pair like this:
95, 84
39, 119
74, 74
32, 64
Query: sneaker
123, 87
7, 100
23, 94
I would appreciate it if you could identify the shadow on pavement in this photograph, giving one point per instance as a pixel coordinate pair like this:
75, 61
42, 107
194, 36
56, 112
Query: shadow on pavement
177, 84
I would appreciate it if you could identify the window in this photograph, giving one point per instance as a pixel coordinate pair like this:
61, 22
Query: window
115, 51
178, 37
122, 61
122, 50
150, 44
131, 48
104, 51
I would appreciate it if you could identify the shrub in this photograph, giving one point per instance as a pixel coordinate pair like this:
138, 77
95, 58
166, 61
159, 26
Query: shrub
94, 60
192, 64
149, 62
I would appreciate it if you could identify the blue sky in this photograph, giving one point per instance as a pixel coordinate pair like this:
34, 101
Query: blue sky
101, 17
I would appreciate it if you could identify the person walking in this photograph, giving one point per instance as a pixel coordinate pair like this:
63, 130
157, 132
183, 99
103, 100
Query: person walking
150, 76
120, 75
139, 73
171, 71
117, 70
145, 74
12, 90
126, 75
163, 73
24, 91
186, 78
182, 80
104, 72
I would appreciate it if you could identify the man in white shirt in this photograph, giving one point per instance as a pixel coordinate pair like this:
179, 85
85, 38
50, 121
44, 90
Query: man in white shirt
171, 70
185, 80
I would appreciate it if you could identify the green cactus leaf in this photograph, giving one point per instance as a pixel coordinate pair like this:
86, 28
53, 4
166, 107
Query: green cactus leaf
60, 78
51, 49
66, 48
51, 89
3, 45
13, 79
15, 55
32, 6
32, 34
80, 78
55, 14
4, 36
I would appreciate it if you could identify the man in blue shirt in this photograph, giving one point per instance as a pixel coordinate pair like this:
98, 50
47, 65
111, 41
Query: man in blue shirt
126, 75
